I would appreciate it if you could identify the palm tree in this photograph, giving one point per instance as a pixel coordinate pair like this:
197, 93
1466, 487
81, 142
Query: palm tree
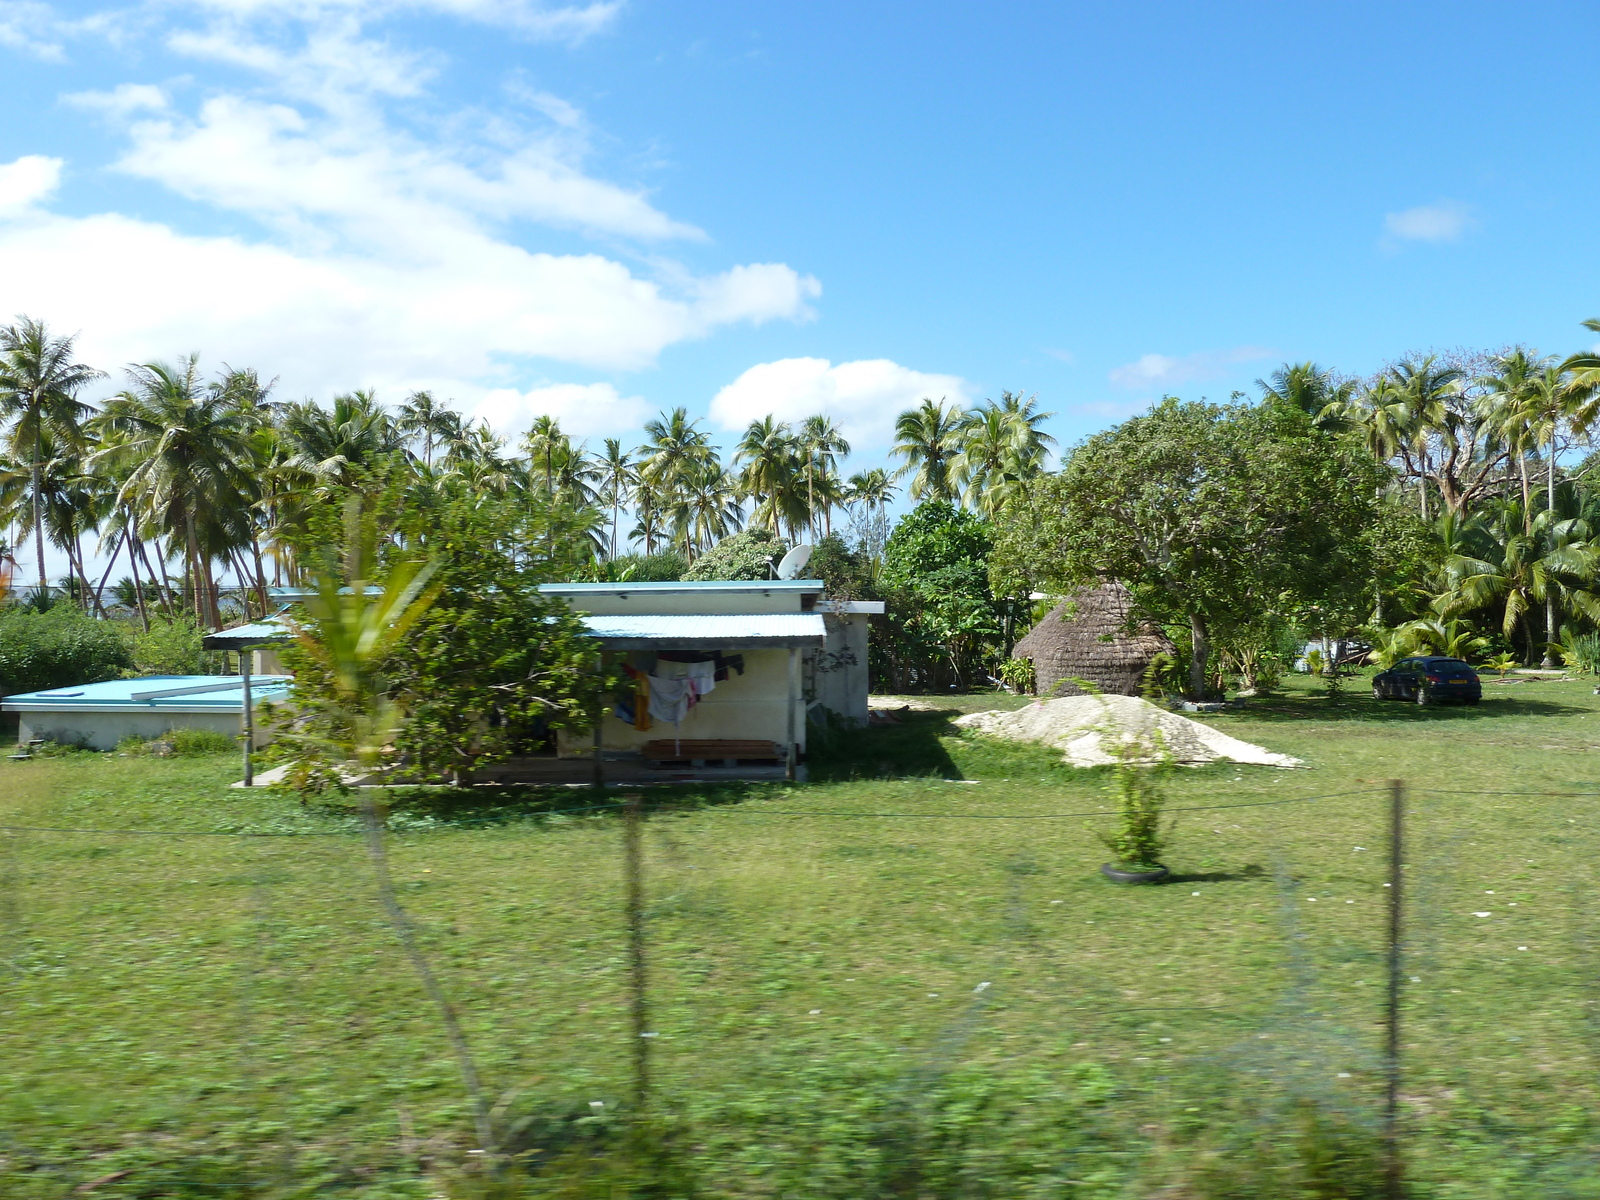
186, 450
339, 447
617, 476
1500, 564
675, 446
542, 443
424, 417
928, 437
39, 385
706, 509
1510, 399
768, 457
873, 490
821, 445
1312, 390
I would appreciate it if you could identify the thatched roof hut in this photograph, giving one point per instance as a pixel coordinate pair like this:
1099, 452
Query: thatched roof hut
1087, 636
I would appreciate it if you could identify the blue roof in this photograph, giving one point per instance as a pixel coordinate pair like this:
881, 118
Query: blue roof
731, 631
183, 693
685, 586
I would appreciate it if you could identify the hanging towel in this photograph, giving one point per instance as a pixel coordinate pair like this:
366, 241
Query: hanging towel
669, 698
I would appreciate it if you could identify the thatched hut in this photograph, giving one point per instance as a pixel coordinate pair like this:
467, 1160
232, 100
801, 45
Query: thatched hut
1087, 636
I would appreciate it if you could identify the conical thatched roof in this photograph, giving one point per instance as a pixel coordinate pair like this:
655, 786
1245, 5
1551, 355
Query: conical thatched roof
1086, 636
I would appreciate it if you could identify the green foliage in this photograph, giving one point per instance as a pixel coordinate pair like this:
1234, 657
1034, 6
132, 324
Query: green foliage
943, 622
491, 668
1017, 674
845, 573
1138, 841
742, 556
57, 648
1502, 664
172, 647
665, 566
1582, 652
1213, 516
181, 743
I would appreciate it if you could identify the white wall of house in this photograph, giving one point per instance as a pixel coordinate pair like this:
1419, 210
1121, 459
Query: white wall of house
103, 730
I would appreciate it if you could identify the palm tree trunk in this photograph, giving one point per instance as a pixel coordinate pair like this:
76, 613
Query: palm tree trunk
134, 551
213, 613
261, 572
167, 604
38, 504
83, 577
116, 549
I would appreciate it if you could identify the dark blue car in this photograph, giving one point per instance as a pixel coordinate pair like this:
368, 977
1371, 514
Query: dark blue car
1428, 679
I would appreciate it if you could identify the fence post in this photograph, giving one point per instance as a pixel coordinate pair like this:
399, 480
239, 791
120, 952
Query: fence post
1394, 1176
633, 869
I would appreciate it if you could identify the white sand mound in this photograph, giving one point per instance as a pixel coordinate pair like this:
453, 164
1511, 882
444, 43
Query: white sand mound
1086, 728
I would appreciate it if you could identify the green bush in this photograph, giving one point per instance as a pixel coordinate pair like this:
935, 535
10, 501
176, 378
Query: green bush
742, 556
179, 743
667, 566
172, 647
58, 648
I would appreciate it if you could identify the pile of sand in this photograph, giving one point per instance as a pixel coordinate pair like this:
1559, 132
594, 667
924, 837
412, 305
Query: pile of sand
1086, 728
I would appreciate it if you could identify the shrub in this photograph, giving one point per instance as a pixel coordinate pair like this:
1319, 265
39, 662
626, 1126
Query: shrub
1139, 840
172, 647
742, 556
179, 743
58, 648
667, 566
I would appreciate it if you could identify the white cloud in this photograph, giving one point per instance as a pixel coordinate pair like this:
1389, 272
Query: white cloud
864, 396
1445, 221
27, 181
472, 314
121, 101
1162, 370
31, 28
584, 409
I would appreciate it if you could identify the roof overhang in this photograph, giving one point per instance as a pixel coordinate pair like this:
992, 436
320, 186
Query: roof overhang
731, 631
705, 587
270, 632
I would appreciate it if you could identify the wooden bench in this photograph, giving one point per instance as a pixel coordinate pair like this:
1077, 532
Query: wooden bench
700, 752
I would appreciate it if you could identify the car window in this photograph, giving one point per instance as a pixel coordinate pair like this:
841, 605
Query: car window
1405, 664
1451, 664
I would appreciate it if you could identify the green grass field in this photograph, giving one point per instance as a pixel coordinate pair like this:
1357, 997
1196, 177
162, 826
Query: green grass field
885, 982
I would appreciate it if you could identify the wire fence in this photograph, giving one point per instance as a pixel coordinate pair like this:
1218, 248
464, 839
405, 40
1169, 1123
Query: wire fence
625, 995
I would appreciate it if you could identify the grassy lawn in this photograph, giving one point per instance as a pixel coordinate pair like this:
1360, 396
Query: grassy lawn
866, 985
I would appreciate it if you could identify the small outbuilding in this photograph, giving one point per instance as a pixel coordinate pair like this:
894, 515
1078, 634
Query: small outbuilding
721, 671
99, 715
1089, 636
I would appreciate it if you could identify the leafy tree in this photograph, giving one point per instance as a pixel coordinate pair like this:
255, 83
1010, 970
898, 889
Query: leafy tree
752, 554
845, 573
1212, 516
768, 459
943, 620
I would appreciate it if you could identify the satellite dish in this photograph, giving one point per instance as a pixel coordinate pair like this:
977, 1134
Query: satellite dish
794, 562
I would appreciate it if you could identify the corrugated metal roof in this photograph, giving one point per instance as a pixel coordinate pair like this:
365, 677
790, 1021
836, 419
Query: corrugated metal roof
706, 631
697, 586
185, 693
242, 637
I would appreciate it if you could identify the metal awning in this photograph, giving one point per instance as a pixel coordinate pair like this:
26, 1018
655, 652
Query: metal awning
730, 631
271, 632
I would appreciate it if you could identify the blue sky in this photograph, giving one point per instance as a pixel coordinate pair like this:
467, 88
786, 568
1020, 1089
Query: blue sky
602, 210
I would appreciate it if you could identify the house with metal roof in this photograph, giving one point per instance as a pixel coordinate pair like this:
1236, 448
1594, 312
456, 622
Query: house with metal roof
721, 672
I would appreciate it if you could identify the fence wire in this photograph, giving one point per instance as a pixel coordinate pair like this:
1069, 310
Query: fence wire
833, 1012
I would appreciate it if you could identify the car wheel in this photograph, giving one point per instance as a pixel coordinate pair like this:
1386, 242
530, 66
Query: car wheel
1424, 697
1474, 699
1377, 692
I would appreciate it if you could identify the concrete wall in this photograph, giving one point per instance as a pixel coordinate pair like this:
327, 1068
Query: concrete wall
752, 705
103, 730
837, 676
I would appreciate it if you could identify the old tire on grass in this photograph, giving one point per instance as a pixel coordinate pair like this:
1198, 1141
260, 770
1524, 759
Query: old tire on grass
1117, 875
